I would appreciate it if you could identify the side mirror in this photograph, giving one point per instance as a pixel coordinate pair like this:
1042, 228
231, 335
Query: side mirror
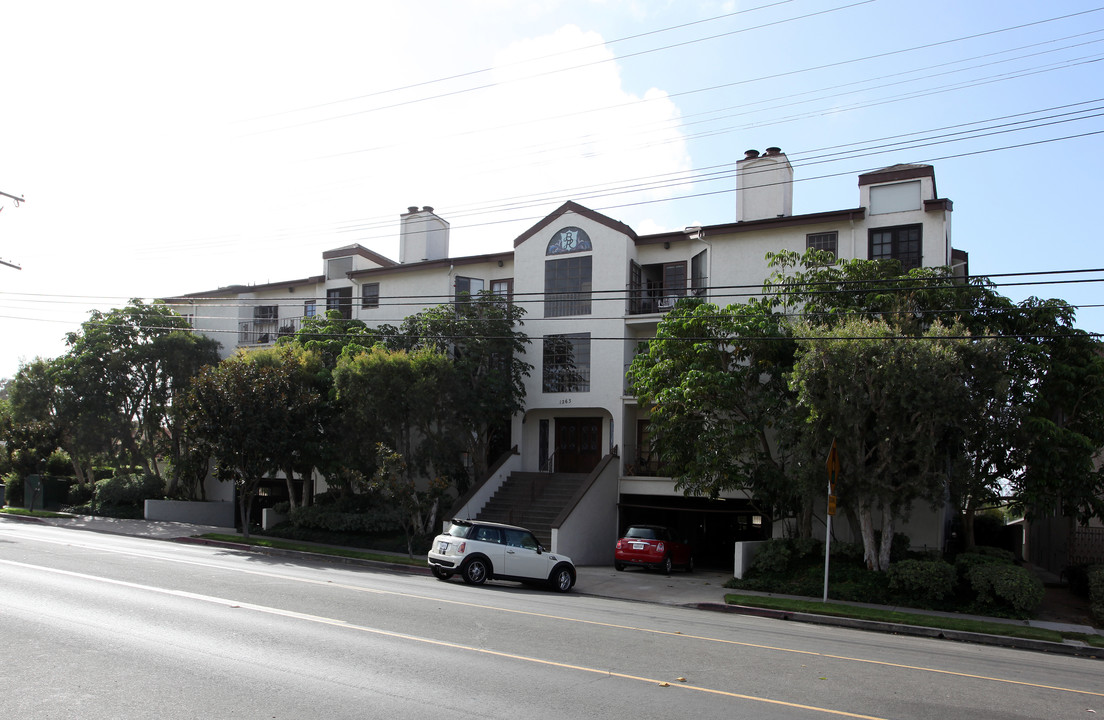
540, 549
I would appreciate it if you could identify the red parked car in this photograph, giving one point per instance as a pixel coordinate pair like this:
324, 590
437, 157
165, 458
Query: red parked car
652, 546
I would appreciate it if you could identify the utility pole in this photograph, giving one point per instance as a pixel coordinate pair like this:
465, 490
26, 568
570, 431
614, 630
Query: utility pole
17, 199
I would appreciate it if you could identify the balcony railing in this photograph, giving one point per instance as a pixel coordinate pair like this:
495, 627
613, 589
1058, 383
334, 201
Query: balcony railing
643, 462
660, 299
266, 332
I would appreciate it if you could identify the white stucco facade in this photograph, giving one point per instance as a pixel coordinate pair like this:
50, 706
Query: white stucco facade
615, 286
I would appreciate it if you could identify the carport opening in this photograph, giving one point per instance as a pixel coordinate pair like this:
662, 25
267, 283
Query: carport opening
711, 527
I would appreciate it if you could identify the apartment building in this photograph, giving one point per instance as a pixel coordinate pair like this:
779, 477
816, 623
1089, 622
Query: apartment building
593, 289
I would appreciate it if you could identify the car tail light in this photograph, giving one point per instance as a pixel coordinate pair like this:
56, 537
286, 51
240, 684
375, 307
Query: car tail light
618, 547
659, 547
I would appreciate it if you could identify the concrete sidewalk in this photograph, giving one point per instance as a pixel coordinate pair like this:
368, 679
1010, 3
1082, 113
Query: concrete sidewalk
702, 589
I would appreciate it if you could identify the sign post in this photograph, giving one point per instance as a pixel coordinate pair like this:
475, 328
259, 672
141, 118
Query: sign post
833, 466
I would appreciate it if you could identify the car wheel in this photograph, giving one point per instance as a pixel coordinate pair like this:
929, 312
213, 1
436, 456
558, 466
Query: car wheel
475, 572
618, 566
441, 574
562, 579
667, 565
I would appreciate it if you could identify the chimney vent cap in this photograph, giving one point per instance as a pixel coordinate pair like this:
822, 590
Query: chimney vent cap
749, 154
774, 151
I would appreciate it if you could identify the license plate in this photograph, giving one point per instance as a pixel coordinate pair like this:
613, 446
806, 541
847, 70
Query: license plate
638, 546
442, 547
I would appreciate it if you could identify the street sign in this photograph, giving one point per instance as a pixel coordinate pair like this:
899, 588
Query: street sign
831, 504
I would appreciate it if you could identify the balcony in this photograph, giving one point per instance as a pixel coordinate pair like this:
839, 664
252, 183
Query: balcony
266, 331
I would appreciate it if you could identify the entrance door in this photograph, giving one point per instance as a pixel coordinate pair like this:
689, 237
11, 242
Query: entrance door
578, 444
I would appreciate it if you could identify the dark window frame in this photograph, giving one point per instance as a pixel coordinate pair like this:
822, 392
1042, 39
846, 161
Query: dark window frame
370, 295
904, 243
567, 286
566, 363
340, 299
826, 241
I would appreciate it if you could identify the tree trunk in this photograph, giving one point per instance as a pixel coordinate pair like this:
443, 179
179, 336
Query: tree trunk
866, 526
77, 471
968, 514
289, 475
245, 499
887, 539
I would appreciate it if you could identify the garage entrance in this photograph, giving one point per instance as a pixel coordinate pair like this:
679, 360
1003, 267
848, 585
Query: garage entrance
709, 526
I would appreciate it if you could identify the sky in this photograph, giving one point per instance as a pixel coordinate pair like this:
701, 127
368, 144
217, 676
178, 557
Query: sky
168, 148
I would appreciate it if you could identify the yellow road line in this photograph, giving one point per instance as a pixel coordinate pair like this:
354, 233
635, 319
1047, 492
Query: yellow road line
462, 603
224, 602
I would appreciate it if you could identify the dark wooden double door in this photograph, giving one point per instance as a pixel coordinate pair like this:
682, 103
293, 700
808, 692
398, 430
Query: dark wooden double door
578, 444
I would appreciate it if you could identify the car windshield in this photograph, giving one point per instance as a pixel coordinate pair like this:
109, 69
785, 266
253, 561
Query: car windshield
643, 533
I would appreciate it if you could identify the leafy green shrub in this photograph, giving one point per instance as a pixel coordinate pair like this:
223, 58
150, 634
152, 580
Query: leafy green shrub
325, 517
13, 489
965, 562
922, 583
129, 490
1096, 592
996, 552
80, 494
899, 547
59, 463
779, 556
1005, 587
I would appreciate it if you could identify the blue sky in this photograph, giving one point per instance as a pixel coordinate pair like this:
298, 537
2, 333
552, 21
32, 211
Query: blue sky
170, 149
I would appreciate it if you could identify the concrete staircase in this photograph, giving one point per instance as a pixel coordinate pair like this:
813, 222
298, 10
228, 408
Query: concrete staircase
533, 500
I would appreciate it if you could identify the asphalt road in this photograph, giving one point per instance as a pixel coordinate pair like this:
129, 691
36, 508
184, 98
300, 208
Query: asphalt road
103, 626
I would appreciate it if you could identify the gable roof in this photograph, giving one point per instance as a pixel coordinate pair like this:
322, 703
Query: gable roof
571, 206
357, 249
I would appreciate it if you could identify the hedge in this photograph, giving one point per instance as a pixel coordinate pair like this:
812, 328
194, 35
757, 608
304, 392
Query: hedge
1006, 587
1096, 592
922, 582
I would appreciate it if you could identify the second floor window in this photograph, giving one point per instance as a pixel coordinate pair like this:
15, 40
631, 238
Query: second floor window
340, 299
566, 366
468, 286
369, 295
826, 241
903, 243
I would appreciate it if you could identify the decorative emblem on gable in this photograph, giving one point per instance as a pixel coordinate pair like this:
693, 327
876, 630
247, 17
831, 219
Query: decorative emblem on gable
568, 240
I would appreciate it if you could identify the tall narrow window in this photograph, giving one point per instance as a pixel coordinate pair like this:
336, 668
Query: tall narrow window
566, 365
567, 286
340, 299
903, 243
369, 295
697, 274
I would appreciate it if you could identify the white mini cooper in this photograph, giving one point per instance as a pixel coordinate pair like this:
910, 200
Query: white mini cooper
480, 551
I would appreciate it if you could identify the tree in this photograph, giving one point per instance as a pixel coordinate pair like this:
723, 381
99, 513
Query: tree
887, 401
396, 398
123, 370
481, 337
245, 413
1065, 415
417, 509
714, 382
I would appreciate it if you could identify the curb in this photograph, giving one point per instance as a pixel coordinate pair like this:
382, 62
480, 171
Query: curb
1069, 647
304, 554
